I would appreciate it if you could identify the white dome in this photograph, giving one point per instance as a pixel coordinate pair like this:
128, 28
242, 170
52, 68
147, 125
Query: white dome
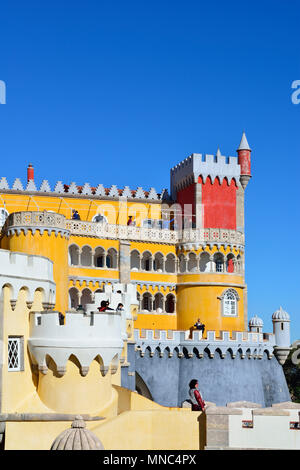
256, 321
280, 315
77, 438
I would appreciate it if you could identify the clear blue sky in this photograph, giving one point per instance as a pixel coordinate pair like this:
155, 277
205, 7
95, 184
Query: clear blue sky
119, 92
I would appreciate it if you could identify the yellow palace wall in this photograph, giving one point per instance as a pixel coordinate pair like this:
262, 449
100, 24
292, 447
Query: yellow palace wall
203, 301
19, 386
193, 298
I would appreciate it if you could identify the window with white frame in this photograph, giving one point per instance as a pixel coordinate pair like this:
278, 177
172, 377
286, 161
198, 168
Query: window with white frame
15, 353
219, 262
229, 303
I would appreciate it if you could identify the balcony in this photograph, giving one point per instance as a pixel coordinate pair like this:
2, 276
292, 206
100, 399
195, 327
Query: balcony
45, 220
124, 232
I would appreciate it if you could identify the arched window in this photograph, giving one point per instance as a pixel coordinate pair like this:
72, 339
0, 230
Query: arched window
111, 259
74, 255
86, 256
99, 257
192, 262
170, 263
158, 263
170, 303
230, 263
73, 297
147, 261
147, 302
219, 262
159, 302
229, 303
86, 297
204, 262
135, 260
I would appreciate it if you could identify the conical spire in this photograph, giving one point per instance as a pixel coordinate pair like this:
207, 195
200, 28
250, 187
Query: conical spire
244, 143
218, 154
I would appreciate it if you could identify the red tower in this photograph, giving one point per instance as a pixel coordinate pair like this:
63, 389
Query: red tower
213, 186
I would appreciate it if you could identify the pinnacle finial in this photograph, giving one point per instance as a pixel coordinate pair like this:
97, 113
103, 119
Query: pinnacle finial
218, 154
244, 143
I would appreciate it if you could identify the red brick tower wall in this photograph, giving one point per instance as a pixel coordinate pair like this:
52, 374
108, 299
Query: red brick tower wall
219, 203
187, 196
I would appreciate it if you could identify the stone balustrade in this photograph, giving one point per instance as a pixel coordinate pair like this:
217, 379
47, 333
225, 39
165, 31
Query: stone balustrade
35, 220
45, 220
124, 232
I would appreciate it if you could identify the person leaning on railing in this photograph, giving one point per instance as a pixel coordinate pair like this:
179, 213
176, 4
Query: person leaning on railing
198, 404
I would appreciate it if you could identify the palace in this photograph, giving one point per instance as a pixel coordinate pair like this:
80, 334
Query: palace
184, 252
168, 259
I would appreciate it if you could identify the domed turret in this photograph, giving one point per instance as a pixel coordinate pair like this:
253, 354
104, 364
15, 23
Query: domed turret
281, 330
77, 438
280, 314
256, 324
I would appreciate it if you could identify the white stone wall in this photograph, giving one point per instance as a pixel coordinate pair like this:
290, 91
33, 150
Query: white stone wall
271, 429
19, 270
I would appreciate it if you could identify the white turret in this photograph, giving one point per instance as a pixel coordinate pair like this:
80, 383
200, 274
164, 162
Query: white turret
281, 330
256, 324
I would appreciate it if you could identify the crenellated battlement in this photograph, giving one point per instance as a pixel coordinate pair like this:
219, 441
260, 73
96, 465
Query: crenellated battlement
87, 334
30, 272
246, 344
188, 171
85, 190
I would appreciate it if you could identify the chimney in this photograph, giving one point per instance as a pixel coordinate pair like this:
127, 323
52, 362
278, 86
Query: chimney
30, 172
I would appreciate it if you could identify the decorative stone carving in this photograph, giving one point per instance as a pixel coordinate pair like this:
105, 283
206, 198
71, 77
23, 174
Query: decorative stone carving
59, 188
3, 183
73, 188
31, 186
17, 186
45, 187
86, 190
140, 194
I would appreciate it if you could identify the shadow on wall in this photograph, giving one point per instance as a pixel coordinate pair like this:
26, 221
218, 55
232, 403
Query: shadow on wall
202, 430
141, 387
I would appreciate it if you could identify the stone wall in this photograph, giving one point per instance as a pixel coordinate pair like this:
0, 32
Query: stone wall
221, 380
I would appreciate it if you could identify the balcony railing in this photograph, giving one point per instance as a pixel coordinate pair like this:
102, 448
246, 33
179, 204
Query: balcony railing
124, 232
30, 219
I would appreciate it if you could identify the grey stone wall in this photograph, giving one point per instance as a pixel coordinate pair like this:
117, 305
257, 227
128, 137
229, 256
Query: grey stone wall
220, 380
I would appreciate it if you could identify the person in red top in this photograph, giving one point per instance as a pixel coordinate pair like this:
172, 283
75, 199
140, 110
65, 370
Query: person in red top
197, 401
102, 307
